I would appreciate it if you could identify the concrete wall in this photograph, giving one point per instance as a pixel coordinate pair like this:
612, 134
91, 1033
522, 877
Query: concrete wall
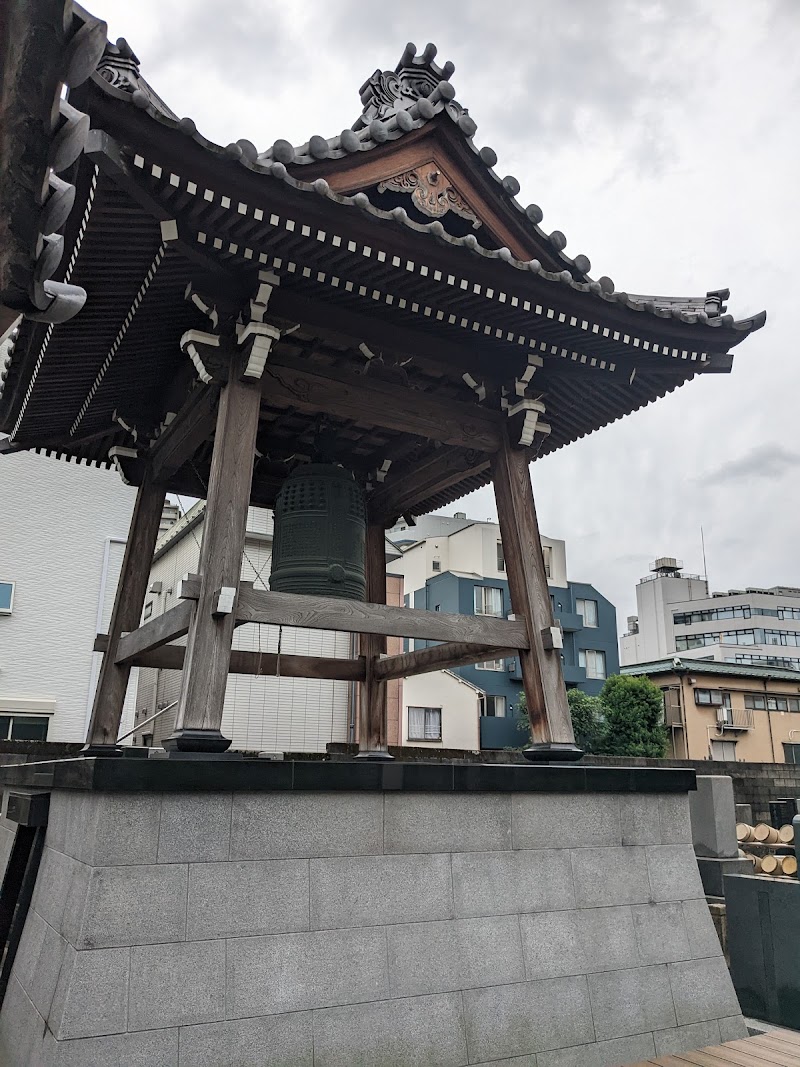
255, 929
62, 537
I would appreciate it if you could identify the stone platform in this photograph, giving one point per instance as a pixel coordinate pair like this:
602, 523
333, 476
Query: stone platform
289, 914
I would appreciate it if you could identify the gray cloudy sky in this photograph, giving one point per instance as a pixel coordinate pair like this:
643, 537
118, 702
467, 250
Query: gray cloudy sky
661, 137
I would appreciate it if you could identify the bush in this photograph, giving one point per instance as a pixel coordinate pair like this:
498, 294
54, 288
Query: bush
627, 719
634, 718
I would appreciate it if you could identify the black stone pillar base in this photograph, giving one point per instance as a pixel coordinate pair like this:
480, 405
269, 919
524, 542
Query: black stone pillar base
376, 755
101, 750
197, 741
552, 752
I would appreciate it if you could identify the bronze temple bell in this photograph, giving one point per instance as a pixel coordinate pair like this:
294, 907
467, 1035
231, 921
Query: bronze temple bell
320, 534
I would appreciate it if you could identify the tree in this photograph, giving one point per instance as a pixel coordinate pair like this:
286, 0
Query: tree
587, 720
634, 718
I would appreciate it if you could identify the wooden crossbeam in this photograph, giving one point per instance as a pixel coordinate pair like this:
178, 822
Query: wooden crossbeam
398, 495
193, 425
307, 387
159, 631
437, 658
331, 613
171, 657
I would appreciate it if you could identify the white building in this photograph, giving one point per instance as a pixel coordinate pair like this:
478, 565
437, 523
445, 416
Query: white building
62, 538
261, 713
677, 613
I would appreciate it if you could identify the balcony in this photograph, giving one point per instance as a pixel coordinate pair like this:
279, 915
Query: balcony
570, 621
734, 718
574, 675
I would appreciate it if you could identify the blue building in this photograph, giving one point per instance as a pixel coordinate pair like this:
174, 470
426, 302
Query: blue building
456, 564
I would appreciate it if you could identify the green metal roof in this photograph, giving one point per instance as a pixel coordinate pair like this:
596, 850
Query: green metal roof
678, 665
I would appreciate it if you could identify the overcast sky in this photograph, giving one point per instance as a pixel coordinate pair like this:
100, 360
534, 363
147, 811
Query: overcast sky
662, 138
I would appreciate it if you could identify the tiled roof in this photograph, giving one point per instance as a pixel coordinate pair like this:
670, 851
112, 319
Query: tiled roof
678, 665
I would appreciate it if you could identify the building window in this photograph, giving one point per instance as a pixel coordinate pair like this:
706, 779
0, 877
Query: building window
148, 611
547, 552
594, 660
6, 598
424, 724
23, 727
789, 613
488, 601
588, 609
791, 753
437, 565
501, 559
723, 750
493, 706
770, 702
491, 665
689, 618
714, 698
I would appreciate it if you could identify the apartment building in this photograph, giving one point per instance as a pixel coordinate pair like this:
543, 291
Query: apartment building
677, 613
728, 711
262, 713
62, 538
456, 564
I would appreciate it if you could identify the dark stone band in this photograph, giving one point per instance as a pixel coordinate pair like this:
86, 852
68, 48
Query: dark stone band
220, 775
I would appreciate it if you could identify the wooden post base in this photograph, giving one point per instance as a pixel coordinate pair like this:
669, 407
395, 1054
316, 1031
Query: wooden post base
552, 752
187, 740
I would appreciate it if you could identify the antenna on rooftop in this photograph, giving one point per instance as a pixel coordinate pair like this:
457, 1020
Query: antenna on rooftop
703, 543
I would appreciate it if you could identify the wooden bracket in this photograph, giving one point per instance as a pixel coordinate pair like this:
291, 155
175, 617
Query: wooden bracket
552, 637
524, 422
224, 601
203, 350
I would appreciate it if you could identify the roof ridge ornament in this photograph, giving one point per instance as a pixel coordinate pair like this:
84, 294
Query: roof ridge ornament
120, 68
415, 78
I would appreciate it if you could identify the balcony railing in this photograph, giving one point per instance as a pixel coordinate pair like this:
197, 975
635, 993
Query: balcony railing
734, 718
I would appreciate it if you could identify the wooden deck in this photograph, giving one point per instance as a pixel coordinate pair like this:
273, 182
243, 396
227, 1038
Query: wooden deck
778, 1047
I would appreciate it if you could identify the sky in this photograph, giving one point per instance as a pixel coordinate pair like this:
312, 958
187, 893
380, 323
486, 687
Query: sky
662, 138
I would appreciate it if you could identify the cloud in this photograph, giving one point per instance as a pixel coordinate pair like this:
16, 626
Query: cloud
766, 462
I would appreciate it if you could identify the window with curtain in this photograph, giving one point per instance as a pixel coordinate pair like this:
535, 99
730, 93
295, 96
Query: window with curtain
723, 750
489, 600
493, 706
491, 665
594, 660
424, 724
588, 609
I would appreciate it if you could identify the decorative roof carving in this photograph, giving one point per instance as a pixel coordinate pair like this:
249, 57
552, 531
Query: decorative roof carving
414, 78
431, 192
120, 68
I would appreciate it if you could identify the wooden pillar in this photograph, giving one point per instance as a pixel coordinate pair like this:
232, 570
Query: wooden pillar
126, 616
372, 725
542, 677
205, 671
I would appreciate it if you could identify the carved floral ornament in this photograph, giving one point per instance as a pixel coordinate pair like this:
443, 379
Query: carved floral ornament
431, 192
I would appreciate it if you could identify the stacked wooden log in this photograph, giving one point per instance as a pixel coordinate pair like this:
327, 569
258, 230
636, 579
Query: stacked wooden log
770, 850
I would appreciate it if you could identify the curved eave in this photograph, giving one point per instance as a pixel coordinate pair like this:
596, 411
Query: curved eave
240, 176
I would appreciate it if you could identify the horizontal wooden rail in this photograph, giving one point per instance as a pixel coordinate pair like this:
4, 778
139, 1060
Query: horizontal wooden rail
352, 616
171, 657
159, 631
437, 658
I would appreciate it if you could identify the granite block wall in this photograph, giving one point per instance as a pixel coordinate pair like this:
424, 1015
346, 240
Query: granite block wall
343, 929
